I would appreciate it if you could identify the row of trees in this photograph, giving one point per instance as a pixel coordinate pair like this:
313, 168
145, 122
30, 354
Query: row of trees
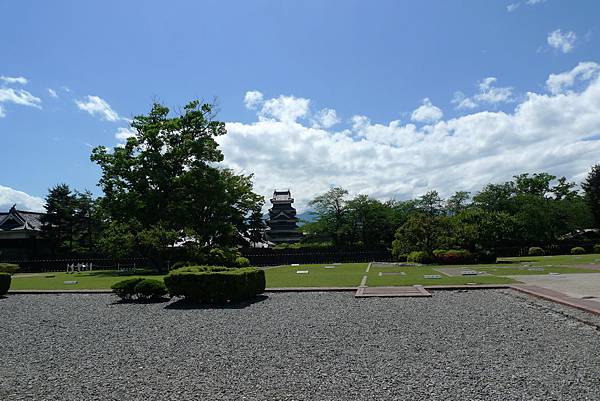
528, 210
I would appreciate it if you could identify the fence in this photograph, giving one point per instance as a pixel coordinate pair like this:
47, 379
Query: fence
275, 257
57, 265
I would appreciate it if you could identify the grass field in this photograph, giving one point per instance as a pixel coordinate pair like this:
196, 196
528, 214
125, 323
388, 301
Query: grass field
95, 280
343, 275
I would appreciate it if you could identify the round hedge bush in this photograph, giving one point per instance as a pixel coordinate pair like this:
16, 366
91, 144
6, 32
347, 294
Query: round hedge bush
597, 248
9, 268
535, 251
125, 289
150, 289
215, 284
241, 262
577, 250
4, 283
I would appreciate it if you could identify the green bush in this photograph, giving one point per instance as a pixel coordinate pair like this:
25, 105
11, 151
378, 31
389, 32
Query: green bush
4, 283
597, 248
215, 284
125, 289
401, 257
535, 251
577, 250
453, 256
150, 289
418, 257
242, 262
486, 257
9, 268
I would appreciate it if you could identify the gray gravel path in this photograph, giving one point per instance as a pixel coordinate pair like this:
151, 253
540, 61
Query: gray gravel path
476, 345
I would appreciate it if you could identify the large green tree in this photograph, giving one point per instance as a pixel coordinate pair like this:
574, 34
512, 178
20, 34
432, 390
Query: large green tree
591, 187
165, 186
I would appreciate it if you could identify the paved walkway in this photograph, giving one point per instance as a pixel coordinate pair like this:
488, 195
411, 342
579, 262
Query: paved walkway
573, 285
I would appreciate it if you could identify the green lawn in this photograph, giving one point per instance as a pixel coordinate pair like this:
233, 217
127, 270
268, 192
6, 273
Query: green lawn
95, 280
344, 275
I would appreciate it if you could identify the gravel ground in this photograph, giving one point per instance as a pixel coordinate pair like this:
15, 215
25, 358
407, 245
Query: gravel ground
476, 345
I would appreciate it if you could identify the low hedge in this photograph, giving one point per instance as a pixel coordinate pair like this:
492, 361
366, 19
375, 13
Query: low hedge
215, 284
535, 251
453, 256
418, 257
597, 248
9, 268
143, 289
4, 283
577, 250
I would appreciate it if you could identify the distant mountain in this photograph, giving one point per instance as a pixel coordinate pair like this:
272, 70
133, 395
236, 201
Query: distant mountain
306, 217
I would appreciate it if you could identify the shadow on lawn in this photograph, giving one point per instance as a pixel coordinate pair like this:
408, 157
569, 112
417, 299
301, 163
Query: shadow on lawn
122, 273
184, 304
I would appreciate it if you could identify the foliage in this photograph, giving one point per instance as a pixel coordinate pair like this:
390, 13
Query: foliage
125, 289
577, 250
419, 257
304, 245
421, 232
453, 256
331, 209
241, 262
164, 186
150, 289
9, 268
591, 187
71, 223
5, 280
597, 248
535, 251
208, 284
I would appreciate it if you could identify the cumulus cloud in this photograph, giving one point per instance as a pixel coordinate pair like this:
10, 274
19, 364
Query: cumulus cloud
544, 132
14, 80
52, 93
24, 201
253, 99
488, 94
284, 108
96, 106
558, 83
326, 118
427, 113
565, 42
512, 7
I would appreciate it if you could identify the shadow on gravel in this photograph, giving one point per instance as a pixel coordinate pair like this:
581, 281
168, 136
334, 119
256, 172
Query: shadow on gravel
138, 301
184, 304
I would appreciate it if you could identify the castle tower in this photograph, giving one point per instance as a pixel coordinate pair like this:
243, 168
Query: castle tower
282, 221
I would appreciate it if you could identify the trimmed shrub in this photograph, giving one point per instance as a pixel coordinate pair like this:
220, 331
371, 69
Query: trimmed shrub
597, 248
402, 257
486, 257
150, 289
242, 262
215, 284
4, 283
453, 256
9, 268
577, 250
125, 289
535, 251
418, 257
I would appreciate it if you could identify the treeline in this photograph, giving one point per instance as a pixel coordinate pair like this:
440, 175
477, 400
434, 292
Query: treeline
531, 209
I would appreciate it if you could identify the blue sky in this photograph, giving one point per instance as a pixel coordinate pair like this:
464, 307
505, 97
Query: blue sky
400, 83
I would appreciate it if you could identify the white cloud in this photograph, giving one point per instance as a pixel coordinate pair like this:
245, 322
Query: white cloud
545, 132
123, 133
19, 96
463, 102
584, 71
24, 201
52, 93
534, 2
326, 118
14, 80
253, 99
284, 108
488, 94
565, 42
95, 105
427, 113
512, 7
2, 112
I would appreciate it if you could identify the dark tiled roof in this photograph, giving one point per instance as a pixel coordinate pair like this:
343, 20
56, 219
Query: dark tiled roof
29, 220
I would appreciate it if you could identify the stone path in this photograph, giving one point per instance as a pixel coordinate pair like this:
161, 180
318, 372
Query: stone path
401, 291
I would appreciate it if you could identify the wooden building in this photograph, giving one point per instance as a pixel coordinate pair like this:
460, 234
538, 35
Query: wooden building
20, 234
282, 223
